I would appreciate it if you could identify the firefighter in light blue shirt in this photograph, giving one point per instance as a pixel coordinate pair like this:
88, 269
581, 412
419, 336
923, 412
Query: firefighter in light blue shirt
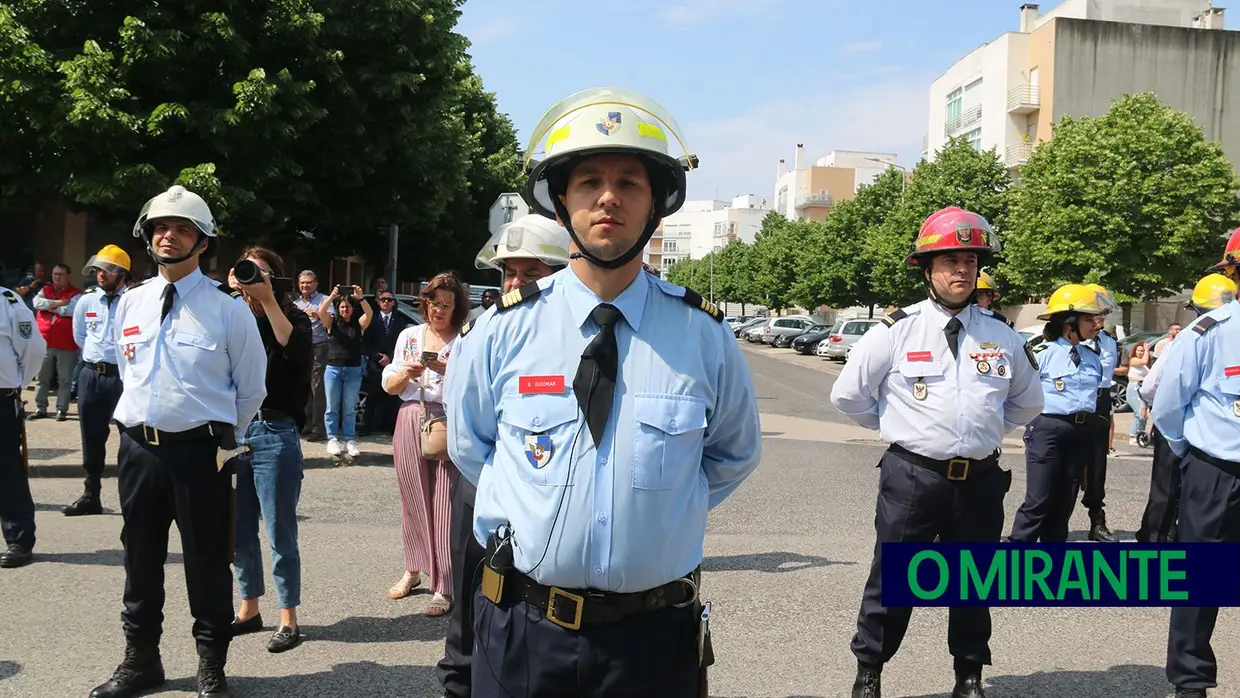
1058, 443
21, 355
602, 413
1093, 485
1197, 409
99, 388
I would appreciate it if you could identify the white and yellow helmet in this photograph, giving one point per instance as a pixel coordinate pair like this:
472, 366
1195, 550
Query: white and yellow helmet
176, 202
529, 237
600, 121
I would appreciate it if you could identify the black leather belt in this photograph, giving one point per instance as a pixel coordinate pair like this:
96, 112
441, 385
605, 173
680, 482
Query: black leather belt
954, 469
270, 415
155, 437
103, 368
1074, 418
1226, 466
571, 609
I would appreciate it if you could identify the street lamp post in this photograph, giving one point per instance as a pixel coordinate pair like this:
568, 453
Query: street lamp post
903, 179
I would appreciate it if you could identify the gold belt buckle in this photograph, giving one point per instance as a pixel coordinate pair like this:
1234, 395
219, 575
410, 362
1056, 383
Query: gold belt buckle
964, 472
1079, 418
578, 601
150, 434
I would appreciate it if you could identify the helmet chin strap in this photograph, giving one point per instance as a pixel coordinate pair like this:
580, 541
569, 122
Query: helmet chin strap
167, 261
585, 254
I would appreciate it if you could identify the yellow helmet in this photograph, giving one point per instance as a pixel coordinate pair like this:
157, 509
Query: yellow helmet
108, 258
1076, 298
986, 282
1108, 301
1213, 291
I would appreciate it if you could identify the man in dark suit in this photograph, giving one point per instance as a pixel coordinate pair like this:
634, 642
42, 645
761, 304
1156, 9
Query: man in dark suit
379, 343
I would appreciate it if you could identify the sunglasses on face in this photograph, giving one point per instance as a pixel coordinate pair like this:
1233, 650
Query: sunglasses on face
386, 300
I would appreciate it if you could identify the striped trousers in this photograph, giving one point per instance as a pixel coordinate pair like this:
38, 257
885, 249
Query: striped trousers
425, 500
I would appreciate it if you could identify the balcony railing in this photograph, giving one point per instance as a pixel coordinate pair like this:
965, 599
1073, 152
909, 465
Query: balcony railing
820, 198
1023, 99
964, 120
1017, 154
925, 144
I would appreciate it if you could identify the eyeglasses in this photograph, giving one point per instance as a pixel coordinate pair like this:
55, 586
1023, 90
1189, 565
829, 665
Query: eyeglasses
386, 300
441, 306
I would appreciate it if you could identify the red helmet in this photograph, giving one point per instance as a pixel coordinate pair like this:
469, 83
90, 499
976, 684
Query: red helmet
954, 229
1231, 253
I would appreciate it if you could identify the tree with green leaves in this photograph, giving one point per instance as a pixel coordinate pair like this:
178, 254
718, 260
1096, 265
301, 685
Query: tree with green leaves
775, 261
1136, 200
960, 175
734, 275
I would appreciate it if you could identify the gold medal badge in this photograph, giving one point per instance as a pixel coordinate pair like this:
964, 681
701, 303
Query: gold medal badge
920, 390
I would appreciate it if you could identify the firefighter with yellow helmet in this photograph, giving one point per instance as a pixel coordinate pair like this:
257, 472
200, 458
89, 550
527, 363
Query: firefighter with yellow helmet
987, 295
1058, 442
99, 383
559, 429
1093, 486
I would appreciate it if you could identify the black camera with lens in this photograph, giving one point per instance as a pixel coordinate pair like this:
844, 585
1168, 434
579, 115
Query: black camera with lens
247, 272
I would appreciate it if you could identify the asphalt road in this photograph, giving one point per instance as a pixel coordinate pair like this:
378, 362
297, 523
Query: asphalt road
787, 557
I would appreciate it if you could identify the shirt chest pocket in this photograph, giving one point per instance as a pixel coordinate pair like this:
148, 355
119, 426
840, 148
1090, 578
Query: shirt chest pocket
1229, 387
136, 346
1062, 378
538, 436
918, 378
668, 435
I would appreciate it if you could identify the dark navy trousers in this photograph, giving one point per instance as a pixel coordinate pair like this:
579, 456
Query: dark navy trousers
1163, 506
16, 504
1094, 483
98, 393
454, 669
916, 504
1056, 454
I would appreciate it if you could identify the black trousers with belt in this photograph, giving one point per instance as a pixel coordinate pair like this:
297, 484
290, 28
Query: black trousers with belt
454, 669
917, 504
1094, 483
175, 481
1163, 506
99, 389
16, 504
1211, 514
1057, 450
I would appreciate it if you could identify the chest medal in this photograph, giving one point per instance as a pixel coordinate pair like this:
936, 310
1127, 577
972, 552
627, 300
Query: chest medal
1059, 385
920, 390
1235, 408
983, 367
1001, 370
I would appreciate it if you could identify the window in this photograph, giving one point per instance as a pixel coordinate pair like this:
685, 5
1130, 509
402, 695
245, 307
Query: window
954, 102
974, 138
669, 246
857, 328
782, 204
718, 228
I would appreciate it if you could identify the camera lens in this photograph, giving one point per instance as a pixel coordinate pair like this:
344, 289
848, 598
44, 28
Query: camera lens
247, 272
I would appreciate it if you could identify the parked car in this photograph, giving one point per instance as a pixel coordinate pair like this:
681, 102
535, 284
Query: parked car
736, 321
785, 325
807, 342
745, 327
784, 341
839, 341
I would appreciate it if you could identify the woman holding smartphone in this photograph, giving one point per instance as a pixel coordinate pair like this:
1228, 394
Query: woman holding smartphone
416, 374
342, 378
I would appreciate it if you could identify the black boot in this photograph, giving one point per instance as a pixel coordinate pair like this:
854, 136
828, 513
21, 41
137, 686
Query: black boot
1190, 693
211, 680
141, 670
869, 681
1098, 530
86, 505
968, 684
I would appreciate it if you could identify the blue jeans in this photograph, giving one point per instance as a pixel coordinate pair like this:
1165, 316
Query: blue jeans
1135, 402
343, 385
269, 481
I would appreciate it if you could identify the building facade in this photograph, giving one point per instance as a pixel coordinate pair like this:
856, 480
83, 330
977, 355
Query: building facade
1075, 59
806, 193
702, 226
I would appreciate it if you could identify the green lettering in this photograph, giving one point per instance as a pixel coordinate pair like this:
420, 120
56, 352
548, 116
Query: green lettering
1166, 575
1015, 578
971, 578
944, 576
1102, 568
1143, 558
1073, 576
1038, 577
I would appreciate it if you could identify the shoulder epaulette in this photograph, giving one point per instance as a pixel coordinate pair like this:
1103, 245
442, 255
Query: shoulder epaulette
517, 296
465, 328
1001, 318
10, 296
131, 287
1204, 324
1090, 347
1029, 354
895, 317
696, 300
1041, 347
225, 288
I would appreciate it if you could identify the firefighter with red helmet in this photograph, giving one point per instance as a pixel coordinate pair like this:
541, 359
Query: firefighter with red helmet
941, 477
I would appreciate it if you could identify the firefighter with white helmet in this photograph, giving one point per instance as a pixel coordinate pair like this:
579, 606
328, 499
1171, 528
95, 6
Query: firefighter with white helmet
641, 443
526, 249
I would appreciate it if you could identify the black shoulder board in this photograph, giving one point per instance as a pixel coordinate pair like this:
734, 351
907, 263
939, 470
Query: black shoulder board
465, 329
696, 300
1033, 361
1204, 324
894, 317
1090, 347
10, 296
1001, 318
516, 297
1041, 347
232, 292
131, 287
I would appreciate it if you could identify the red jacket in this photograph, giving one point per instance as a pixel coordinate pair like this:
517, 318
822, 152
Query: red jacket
57, 329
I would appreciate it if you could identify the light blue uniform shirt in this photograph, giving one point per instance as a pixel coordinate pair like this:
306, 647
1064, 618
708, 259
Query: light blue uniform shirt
683, 433
22, 347
92, 325
1108, 353
1068, 388
1198, 400
204, 363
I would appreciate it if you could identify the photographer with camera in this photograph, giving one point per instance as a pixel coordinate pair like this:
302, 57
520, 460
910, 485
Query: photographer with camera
342, 380
269, 474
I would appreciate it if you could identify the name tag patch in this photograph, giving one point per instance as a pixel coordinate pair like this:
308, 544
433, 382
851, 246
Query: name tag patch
919, 356
130, 331
90, 314
1231, 371
534, 385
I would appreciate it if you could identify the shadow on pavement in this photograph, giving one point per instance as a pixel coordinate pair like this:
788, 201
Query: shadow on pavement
767, 562
412, 627
9, 669
42, 454
366, 460
351, 679
1129, 681
58, 507
1120, 536
111, 558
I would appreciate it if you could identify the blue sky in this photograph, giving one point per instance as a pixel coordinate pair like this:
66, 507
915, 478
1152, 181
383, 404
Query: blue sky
746, 79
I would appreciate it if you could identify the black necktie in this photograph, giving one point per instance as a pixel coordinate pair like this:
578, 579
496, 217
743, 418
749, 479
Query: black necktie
107, 300
1076, 356
595, 382
953, 336
170, 292
387, 323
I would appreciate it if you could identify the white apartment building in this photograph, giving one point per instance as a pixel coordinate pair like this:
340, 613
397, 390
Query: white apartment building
1007, 93
808, 192
701, 226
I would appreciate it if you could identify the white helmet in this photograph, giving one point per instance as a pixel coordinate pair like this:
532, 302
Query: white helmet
529, 237
177, 202
607, 120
